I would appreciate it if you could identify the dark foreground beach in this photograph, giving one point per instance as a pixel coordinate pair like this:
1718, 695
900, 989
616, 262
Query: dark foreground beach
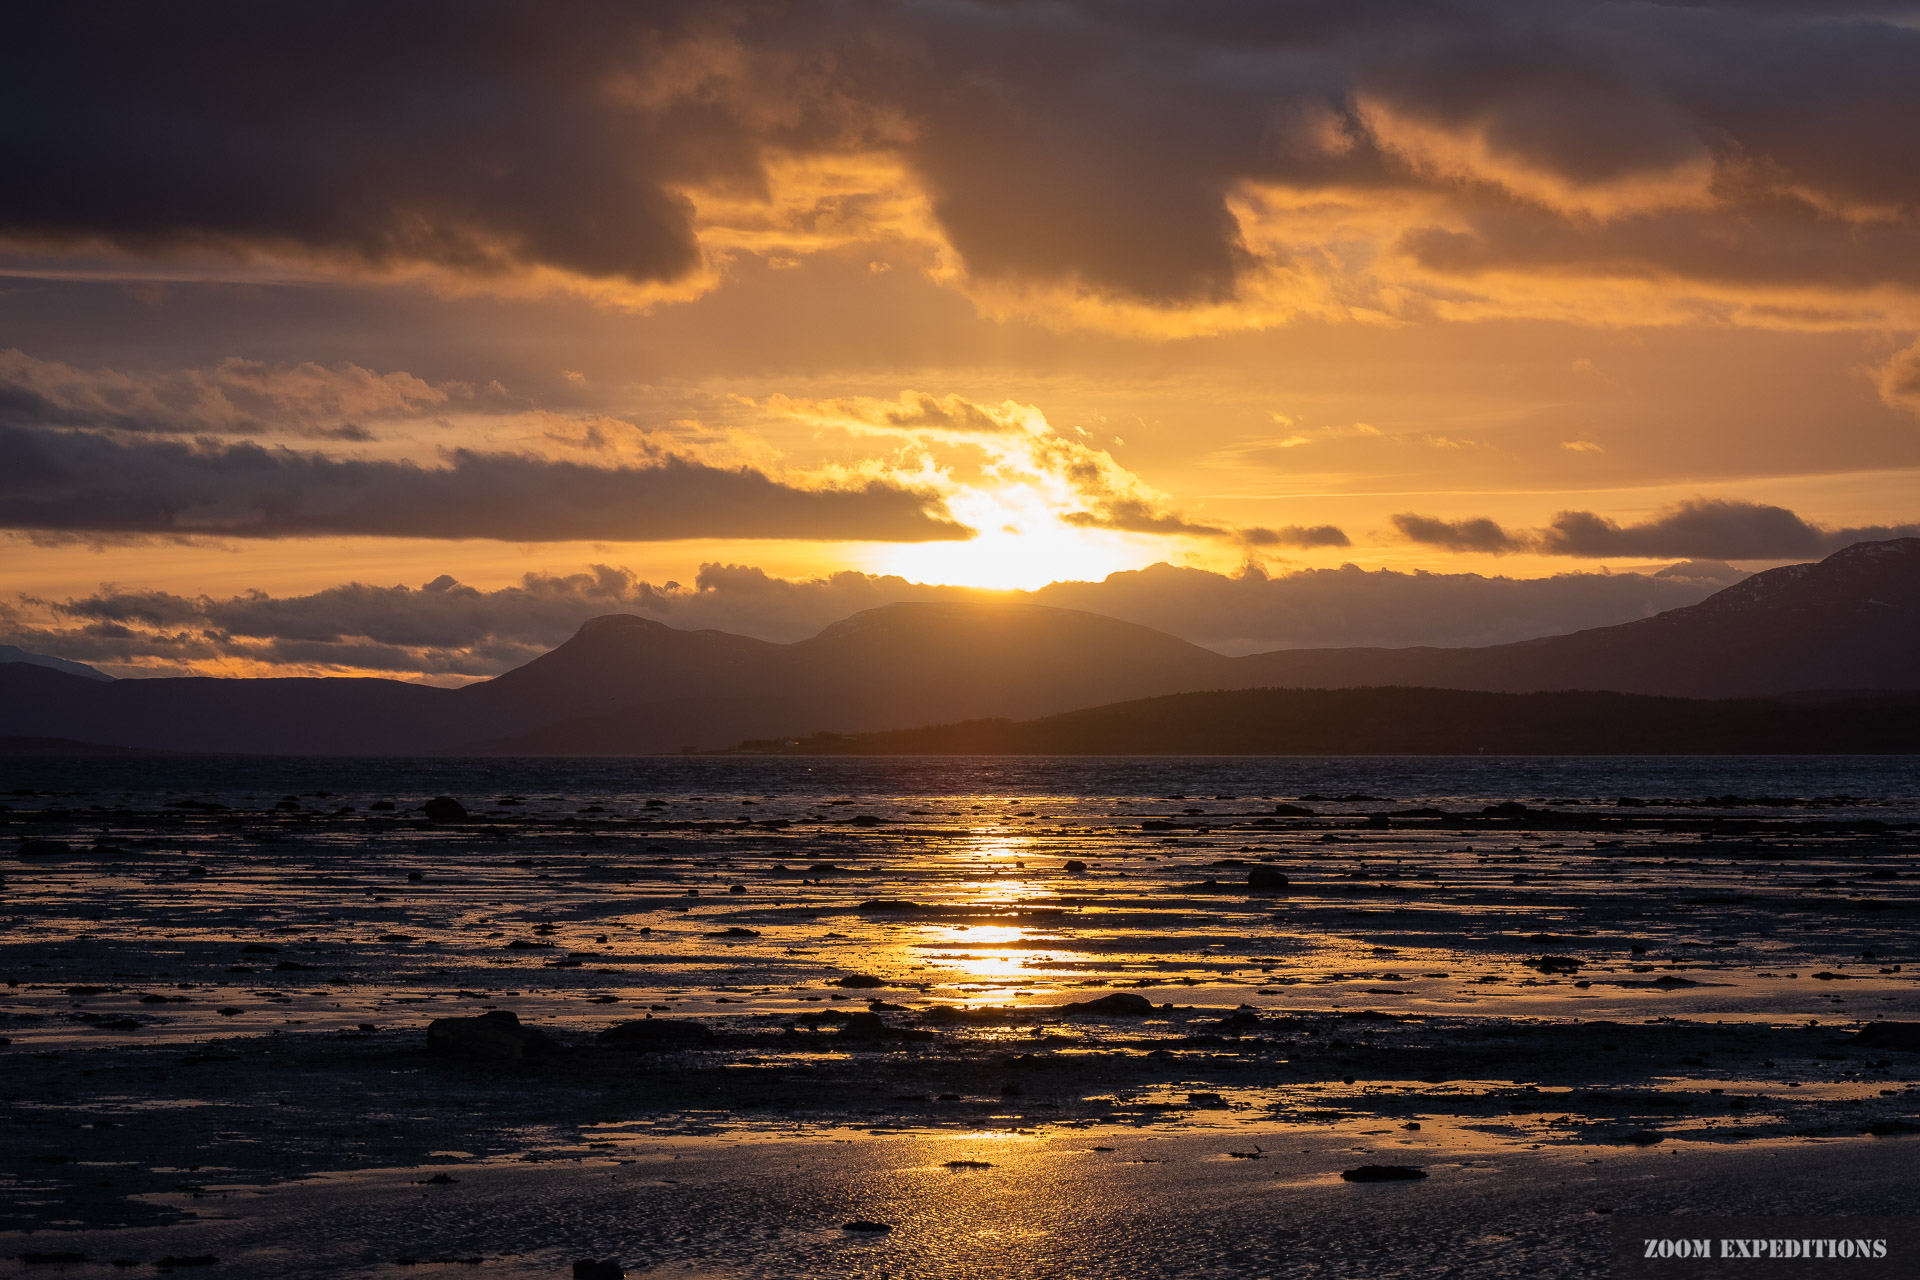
1559, 990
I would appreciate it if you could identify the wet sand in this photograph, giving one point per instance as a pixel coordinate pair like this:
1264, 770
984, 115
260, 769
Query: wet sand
216, 1006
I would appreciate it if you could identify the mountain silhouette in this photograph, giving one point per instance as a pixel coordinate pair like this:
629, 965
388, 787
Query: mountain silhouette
1850, 621
630, 685
1385, 720
14, 653
898, 665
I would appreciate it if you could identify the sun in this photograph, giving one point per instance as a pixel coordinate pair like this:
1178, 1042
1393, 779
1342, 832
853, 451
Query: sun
1022, 545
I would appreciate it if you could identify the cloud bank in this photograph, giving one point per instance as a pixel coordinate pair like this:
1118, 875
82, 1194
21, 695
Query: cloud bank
79, 482
1224, 165
1706, 528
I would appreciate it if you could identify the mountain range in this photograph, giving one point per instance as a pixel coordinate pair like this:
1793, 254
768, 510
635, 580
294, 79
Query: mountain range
629, 685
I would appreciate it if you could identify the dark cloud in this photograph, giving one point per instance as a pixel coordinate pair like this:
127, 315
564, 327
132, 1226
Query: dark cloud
1084, 145
1457, 535
1717, 528
82, 482
1710, 529
482, 137
446, 629
234, 397
1133, 515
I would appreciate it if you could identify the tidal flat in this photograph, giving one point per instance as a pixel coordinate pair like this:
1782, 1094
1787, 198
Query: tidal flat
1559, 989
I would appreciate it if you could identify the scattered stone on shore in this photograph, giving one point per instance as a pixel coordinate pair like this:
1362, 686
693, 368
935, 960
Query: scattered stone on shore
495, 1036
1383, 1173
598, 1269
1889, 1035
657, 1034
1120, 1004
444, 809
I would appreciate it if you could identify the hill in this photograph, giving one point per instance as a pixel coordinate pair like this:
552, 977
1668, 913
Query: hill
14, 653
1402, 721
1850, 621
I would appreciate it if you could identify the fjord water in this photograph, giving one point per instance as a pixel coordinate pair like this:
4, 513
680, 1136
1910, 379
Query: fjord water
1408, 780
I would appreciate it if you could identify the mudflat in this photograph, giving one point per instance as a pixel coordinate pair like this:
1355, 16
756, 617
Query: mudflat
1036, 1019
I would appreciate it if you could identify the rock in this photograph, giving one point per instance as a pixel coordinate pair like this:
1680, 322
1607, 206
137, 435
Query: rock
1120, 1004
946, 1014
1891, 1128
496, 1036
657, 1034
1889, 1035
862, 1224
1291, 811
1553, 964
1645, 1138
870, 1028
860, 980
1075, 865
444, 809
1207, 1101
1266, 878
1383, 1173
598, 1269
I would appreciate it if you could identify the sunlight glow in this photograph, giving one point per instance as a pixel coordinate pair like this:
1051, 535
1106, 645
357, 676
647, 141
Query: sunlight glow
1022, 545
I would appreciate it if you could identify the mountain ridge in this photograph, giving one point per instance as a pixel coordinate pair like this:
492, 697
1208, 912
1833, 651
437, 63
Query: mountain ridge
624, 684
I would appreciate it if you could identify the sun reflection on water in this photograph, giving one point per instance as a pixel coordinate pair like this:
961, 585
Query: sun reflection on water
982, 951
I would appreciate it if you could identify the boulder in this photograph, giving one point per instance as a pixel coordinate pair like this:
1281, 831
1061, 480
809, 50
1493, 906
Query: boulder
1384, 1173
598, 1269
657, 1034
860, 980
444, 809
948, 1015
496, 1036
1889, 1035
1120, 1004
1266, 878
1075, 866
870, 1028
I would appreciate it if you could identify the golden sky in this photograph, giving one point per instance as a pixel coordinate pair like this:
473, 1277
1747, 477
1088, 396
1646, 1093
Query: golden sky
809, 307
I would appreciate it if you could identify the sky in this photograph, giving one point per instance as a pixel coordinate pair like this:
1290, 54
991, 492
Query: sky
399, 339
